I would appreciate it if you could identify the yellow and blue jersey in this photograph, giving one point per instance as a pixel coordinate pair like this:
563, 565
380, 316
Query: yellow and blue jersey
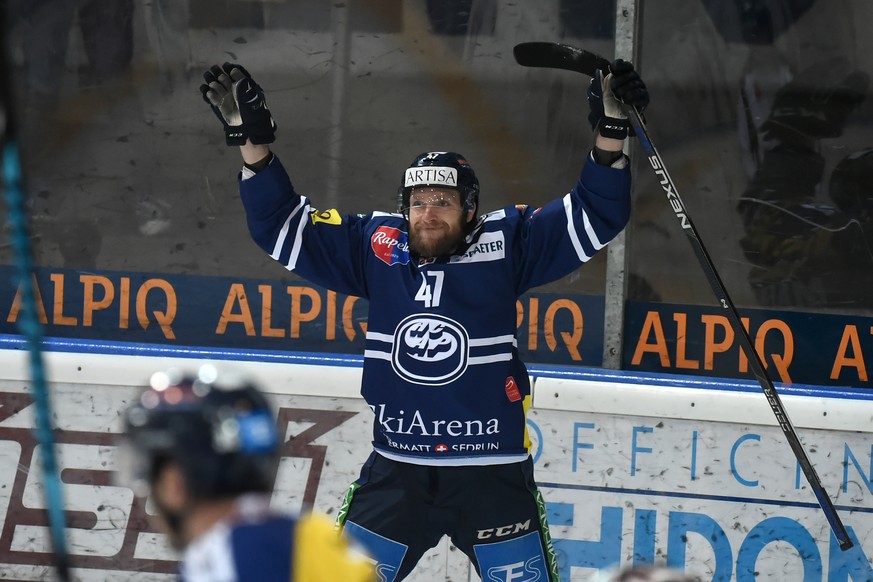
274, 548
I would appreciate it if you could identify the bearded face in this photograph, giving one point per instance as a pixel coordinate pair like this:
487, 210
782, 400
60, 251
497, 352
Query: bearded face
437, 221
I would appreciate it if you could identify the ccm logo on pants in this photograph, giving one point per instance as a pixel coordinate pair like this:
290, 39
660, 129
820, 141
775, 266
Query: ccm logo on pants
484, 534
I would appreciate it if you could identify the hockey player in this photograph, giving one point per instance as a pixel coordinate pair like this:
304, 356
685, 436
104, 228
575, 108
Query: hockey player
206, 450
442, 372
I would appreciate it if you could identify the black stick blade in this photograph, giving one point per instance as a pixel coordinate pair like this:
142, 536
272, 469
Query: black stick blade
554, 55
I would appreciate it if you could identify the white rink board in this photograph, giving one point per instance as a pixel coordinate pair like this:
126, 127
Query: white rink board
725, 499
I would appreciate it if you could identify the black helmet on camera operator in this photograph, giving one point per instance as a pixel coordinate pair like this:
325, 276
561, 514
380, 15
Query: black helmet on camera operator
220, 432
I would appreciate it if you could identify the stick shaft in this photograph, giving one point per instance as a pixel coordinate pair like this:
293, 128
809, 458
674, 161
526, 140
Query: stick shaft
28, 322
739, 329
561, 56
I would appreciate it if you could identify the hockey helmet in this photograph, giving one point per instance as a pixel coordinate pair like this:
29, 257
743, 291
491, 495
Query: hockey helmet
440, 169
220, 431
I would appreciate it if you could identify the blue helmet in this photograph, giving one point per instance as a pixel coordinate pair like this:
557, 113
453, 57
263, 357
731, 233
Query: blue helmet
442, 169
221, 433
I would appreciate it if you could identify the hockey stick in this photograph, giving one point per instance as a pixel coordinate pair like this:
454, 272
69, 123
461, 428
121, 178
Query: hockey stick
560, 56
28, 321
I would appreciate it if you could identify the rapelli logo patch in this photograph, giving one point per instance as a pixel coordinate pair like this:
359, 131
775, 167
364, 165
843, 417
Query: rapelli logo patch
390, 245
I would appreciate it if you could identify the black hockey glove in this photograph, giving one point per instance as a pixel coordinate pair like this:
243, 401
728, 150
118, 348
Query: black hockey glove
604, 93
239, 104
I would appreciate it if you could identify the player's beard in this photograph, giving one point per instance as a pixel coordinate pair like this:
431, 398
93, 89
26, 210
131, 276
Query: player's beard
436, 242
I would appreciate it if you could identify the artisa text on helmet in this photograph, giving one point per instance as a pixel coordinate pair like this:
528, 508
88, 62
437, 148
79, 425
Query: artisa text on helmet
431, 176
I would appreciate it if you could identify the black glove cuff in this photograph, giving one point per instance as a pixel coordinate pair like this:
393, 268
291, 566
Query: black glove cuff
613, 128
262, 139
234, 137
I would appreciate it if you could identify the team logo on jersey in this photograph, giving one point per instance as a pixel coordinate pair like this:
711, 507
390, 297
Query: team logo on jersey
512, 391
429, 349
327, 216
390, 245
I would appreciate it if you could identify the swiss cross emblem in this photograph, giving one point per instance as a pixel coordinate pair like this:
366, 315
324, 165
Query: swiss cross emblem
441, 448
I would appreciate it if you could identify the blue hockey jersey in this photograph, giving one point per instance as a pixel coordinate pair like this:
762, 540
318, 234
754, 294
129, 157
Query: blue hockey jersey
442, 372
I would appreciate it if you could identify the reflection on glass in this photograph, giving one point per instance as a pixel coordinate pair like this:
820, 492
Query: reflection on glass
804, 236
127, 172
761, 110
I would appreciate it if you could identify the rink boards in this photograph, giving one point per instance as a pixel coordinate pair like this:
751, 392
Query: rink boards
638, 467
